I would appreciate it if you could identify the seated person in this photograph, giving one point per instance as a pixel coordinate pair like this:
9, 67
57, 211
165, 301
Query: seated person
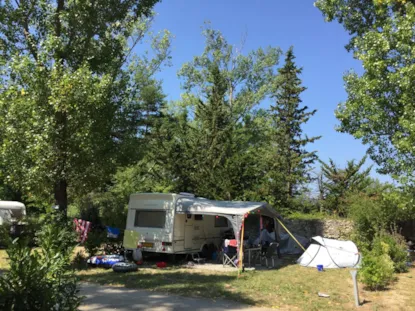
267, 237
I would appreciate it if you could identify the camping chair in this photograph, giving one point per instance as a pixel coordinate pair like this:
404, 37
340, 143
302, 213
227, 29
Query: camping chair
270, 254
229, 254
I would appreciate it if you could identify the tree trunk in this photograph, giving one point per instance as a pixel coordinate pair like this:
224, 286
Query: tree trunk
61, 196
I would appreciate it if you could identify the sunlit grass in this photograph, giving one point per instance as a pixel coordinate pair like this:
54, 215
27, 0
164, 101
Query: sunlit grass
289, 287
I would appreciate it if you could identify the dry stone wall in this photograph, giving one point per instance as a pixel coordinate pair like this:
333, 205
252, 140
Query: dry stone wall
328, 228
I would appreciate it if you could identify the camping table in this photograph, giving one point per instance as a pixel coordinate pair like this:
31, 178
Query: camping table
250, 251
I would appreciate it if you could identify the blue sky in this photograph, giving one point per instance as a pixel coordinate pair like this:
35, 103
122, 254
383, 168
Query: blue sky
319, 47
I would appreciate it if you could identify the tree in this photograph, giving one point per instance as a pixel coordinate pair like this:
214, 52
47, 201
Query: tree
209, 142
339, 183
73, 93
290, 161
379, 108
222, 87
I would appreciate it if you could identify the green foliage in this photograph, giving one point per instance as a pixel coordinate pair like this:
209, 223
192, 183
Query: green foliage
383, 256
96, 239
376, 271
289, 163
211, 141
70, 73
379, 109
79, 262
309, 216
41, 279
396, 249
56, 234
337, 184
381, 207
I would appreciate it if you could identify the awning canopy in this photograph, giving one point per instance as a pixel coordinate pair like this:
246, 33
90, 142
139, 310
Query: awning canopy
234, 211
231, 208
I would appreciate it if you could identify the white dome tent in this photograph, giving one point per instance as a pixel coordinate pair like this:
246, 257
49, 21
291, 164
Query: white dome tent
330, 253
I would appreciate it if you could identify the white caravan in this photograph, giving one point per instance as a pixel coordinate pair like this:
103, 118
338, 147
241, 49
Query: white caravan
11, 211
181, 223
162, 229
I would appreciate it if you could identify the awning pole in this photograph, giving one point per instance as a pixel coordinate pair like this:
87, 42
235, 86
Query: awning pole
288, 231
241, 248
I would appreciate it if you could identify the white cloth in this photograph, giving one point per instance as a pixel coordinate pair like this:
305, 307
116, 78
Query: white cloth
267, 237
227, 243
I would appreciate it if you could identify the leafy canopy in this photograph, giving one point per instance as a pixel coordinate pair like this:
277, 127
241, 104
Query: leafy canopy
73, 91
379, 108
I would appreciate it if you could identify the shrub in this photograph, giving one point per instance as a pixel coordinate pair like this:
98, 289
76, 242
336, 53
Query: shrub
396, 249
79, 262
377, 270
41, 279
95, 240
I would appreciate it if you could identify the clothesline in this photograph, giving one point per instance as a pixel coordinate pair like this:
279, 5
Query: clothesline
83, 227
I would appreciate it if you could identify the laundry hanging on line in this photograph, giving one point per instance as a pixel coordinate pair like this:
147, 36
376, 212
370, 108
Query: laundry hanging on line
82, 227
113, 232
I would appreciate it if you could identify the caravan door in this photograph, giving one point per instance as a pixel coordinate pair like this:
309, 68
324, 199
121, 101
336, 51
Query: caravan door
188, 232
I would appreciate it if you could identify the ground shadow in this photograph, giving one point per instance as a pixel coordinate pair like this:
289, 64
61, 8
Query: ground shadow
122, 299
180, 282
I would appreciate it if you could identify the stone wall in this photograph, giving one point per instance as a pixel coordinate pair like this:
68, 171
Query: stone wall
328, 228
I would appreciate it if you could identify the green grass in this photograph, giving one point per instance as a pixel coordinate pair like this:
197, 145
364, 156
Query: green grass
292, 286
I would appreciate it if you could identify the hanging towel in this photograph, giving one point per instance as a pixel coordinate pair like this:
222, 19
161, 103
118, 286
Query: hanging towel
113, 232
82, 227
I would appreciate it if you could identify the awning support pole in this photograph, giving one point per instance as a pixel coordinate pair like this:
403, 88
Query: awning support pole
288, 231
241, 248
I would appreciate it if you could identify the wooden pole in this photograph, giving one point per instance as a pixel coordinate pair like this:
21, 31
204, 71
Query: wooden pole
241, 248
288, 231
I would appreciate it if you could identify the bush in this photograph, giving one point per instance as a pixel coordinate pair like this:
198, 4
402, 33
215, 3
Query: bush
396, 249
377, 270
41, 279
95, 240
79, 262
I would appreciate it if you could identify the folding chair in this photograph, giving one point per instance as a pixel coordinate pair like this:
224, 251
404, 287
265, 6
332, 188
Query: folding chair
229, 255
270, 254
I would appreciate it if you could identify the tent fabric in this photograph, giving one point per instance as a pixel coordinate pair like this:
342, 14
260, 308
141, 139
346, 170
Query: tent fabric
204, 206
330, 253
234, 211
289, 246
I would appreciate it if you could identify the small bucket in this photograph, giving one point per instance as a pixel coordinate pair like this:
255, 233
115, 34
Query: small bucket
320, 268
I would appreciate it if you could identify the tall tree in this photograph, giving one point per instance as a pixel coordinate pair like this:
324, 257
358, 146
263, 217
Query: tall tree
210, 143
72, 91
337, 183
380, 107
222, 87
290, 162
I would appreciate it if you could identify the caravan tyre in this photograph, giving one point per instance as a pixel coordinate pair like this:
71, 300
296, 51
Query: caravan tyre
124, 267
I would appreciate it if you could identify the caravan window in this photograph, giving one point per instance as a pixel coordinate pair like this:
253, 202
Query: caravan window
150, 219
221, 221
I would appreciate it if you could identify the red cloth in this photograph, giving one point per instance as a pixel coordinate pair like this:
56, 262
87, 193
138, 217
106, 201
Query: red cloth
233, 243
82, 227
161, 264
